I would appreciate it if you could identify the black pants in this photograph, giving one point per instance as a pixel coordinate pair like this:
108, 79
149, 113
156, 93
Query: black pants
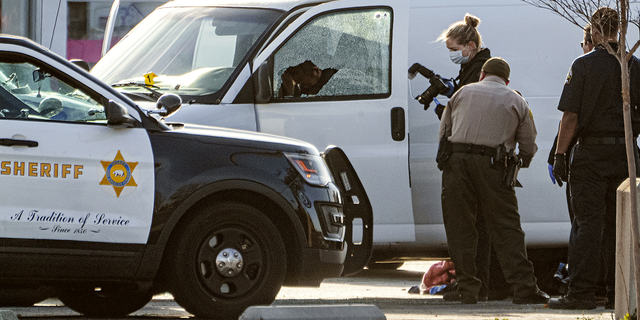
470, 181
596, 172
488, 268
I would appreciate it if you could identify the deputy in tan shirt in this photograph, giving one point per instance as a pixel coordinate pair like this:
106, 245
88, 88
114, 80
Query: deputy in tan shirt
479, 117
489, 113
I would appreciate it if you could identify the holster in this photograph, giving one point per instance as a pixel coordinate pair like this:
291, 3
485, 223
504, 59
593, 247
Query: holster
444, 152
510, 178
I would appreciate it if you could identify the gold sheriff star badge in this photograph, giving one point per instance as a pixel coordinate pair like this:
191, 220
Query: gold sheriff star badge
118, 173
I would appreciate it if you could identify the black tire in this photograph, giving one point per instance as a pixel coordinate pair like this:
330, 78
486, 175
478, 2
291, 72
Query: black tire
385, 265
23, 297
110, 302
207, 289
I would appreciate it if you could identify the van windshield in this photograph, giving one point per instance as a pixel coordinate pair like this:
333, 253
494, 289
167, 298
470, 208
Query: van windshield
188, 51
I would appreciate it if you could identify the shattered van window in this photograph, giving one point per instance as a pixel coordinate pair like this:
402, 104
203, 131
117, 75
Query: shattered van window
354, 46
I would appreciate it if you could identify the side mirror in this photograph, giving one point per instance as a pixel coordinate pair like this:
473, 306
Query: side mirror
262, 81
38, 75
118, 116
168, 104
80, 63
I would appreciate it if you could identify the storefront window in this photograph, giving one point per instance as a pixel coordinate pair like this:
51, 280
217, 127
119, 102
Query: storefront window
87, 21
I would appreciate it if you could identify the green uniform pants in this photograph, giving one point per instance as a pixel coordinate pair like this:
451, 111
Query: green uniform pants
468, 181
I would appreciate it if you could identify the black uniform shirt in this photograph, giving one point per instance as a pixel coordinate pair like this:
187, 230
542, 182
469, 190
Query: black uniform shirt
593, 90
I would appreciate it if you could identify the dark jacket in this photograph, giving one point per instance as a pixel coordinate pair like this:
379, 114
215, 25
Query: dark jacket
470, 71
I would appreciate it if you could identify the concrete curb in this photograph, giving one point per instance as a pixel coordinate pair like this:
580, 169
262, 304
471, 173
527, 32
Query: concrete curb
8, 315
317, 312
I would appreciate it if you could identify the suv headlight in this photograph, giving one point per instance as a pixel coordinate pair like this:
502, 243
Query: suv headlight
312, 168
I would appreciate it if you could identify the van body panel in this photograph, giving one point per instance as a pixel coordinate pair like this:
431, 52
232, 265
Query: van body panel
538, 70
399, 173
235, 116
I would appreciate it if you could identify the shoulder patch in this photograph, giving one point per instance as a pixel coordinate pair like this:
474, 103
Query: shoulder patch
569, 75
530, 114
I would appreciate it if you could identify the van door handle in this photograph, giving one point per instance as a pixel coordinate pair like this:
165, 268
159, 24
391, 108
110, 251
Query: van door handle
15, 142
397, 124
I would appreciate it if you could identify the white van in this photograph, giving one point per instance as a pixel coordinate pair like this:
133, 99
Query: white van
226, 60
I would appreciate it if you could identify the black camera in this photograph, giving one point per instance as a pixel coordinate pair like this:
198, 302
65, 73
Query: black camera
438, 85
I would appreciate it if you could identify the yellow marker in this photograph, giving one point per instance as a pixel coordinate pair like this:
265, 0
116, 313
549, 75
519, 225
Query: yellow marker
148, 78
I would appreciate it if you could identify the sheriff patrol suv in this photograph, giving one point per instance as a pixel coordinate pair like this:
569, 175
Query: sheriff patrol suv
106, 205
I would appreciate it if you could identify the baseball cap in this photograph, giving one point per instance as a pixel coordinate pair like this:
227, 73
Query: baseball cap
498, 67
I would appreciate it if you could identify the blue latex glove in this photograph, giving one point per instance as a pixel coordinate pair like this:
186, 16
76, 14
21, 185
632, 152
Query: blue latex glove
553, 179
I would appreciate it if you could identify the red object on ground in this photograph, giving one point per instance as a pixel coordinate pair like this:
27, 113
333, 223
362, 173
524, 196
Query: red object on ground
439, 273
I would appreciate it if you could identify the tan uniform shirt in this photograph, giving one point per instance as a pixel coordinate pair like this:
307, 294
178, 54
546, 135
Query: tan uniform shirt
490, 113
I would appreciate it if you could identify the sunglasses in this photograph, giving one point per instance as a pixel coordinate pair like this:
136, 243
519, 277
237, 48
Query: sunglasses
582, 43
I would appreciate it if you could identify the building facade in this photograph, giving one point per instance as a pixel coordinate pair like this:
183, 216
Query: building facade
70, 28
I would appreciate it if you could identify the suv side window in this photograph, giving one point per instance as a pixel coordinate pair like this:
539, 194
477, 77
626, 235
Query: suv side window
31, 90
337, 55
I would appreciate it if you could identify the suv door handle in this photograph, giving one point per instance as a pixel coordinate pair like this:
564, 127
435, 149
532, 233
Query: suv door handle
397, 124
15, 142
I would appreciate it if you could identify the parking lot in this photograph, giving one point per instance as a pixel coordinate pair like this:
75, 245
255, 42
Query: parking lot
385, 289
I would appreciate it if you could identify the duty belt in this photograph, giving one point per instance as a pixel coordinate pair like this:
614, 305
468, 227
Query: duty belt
601, 140
473, 148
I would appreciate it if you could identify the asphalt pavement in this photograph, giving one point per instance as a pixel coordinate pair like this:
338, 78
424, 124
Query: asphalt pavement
386, 289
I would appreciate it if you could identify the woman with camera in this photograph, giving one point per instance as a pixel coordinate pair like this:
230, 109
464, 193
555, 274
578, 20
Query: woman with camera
465, 48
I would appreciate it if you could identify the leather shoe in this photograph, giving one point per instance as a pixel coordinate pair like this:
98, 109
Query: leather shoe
455, 296
567, 303
538, 297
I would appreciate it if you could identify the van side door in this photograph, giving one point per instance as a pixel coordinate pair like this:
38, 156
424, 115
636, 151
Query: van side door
338, 77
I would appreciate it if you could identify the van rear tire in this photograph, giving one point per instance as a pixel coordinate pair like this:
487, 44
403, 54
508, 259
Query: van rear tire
545, 263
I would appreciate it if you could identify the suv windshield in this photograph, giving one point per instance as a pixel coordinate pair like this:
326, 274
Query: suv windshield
190, 51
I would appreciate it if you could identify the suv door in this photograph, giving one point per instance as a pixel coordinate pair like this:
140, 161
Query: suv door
65, 174
332, 83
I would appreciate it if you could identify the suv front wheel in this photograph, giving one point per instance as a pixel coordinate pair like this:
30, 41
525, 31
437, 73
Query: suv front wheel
226, 258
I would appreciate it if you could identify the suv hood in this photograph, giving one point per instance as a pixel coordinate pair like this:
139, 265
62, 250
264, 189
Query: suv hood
208, 134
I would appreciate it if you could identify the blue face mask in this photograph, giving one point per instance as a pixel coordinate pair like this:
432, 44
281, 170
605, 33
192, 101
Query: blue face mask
457, 57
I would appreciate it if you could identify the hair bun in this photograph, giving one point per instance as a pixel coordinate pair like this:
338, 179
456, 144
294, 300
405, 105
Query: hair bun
471, 20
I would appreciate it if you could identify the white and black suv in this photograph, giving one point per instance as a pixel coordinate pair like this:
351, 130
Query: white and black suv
104, 205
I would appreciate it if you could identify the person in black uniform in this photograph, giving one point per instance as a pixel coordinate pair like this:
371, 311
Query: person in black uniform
591, 103
465, 48
586, 45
